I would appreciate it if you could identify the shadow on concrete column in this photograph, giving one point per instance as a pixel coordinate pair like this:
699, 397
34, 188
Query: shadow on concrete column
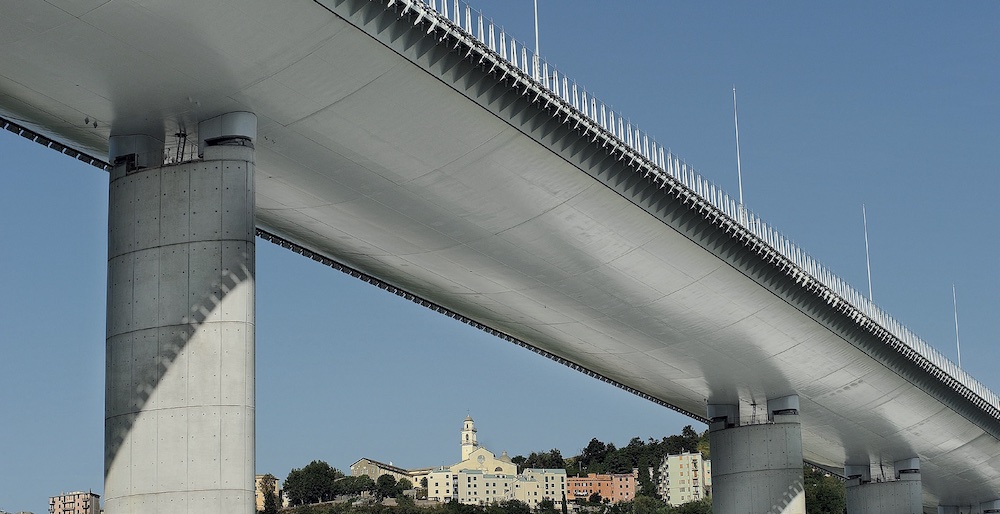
179, 407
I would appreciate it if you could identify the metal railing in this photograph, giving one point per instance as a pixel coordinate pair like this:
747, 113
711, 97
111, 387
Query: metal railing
179, 148
500, 50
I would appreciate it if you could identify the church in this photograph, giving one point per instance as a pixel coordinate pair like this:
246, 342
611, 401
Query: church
483, 478
476, 457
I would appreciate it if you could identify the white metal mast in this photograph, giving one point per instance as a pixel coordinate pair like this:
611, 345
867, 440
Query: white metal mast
536, 42
868, 260
958, 343
736, 121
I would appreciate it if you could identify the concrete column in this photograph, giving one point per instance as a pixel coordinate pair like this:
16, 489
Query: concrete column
974, 508
757, 469
900, 496
179, 406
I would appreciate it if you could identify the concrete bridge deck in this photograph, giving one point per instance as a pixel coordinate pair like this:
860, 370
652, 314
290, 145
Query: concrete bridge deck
392, 146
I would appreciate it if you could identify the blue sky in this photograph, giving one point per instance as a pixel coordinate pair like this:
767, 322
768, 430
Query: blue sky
888, 104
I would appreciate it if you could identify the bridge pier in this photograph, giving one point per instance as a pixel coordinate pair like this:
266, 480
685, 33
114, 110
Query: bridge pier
903, 495
961, 509
757, 468
179, 399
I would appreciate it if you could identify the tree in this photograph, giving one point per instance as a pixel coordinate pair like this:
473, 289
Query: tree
547, 506
595, 452
702, 506
405, 503
312, 484
354, 485
595, 498
515, 507
423, 482
649, 505
617, 462
646, 485
402, 485
824, 493
267, 487
704, 446
551, 459
385, 486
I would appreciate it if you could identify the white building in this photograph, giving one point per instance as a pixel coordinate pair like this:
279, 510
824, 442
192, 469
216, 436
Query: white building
684, 478
442, 485
481, 477
478, 488
534, 485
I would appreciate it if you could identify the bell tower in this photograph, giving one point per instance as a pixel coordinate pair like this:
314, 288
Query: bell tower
469, 443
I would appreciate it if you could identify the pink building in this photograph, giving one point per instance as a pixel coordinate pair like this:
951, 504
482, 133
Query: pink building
75, 503
614, 488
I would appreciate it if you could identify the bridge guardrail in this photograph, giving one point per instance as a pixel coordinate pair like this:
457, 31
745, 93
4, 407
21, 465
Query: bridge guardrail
542, 79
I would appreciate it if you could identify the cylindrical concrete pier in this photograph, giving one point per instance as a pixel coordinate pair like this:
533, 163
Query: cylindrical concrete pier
904, 495
758, 468
895, 497
179, 420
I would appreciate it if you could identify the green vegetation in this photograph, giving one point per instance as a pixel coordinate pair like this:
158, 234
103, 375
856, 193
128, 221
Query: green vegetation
318, 482
599, 457
824, 493
651, 505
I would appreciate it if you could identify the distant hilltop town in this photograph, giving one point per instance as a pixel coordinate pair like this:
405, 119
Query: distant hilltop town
673, 470
483, 478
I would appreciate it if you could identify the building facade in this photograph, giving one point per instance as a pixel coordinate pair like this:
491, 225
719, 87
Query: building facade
533, 486
75, 503
475, 457
259, 492
375, 469
442, 485
478, 488
613, 488
684, 478
481, 477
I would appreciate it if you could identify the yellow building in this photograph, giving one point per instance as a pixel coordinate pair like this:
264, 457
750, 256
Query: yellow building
475, 457
259, 491
684, 478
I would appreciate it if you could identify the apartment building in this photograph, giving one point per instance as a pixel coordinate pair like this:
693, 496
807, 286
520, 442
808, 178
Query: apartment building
614, 488
684, 478
78, 502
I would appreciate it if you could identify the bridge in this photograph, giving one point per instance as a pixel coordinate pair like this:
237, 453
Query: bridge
417, 147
